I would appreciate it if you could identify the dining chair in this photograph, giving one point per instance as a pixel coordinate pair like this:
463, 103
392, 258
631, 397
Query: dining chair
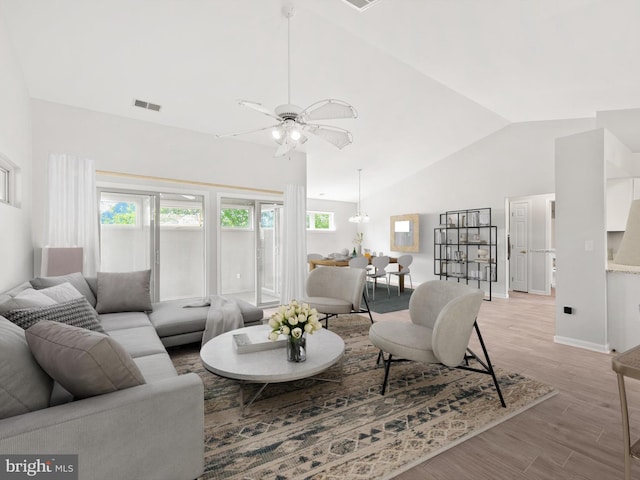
403, 269
379, 265
359, 262
443, 316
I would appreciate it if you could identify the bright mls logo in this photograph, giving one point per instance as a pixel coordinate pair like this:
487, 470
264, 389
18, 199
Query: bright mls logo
50, 467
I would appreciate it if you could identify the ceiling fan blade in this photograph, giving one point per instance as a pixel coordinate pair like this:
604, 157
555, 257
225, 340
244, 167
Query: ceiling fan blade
258, 107
334, 135
247, 132
329, 109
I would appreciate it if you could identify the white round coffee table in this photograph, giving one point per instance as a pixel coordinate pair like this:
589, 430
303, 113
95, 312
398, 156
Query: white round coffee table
219, 356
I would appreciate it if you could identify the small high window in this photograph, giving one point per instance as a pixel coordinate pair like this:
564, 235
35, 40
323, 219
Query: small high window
320, 221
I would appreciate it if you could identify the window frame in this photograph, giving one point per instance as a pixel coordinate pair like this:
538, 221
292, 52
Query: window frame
9, 184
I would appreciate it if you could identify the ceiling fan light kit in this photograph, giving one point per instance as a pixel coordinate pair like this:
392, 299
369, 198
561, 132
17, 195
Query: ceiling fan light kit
292, 126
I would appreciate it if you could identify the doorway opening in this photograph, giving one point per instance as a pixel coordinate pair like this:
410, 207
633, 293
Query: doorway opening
531, 244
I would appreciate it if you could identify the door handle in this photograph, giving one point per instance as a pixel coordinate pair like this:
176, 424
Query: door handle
523, 251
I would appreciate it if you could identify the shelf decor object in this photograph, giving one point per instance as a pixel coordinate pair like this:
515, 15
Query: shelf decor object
465, 248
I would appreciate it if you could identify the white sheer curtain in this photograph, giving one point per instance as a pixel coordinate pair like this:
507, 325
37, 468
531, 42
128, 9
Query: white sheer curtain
294, 268
72, 220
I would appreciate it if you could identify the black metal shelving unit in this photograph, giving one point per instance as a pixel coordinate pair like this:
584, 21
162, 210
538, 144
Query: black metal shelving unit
465, 247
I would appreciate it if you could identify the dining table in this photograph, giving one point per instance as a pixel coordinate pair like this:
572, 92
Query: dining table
330, 262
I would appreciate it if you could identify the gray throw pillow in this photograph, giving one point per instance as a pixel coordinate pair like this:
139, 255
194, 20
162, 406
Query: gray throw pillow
24, 386
75, 279
76, 312
124, 292
85, 363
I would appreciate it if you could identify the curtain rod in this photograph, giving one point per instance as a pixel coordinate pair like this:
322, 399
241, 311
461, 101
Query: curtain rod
185, 182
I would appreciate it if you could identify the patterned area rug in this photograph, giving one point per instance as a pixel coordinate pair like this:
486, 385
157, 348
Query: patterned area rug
311, 429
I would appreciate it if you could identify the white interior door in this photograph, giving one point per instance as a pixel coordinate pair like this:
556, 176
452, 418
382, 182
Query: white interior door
519, 232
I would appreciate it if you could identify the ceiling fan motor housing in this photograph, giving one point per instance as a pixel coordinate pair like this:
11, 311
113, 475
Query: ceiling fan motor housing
288, 111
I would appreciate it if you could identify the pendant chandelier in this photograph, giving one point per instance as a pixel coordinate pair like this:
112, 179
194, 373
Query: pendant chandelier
359, 217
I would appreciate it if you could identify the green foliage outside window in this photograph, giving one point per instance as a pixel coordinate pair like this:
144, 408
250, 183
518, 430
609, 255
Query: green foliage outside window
322, 221
181, 216
121, 213
235, 218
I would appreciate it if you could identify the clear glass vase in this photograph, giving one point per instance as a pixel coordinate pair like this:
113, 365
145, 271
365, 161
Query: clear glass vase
297, 348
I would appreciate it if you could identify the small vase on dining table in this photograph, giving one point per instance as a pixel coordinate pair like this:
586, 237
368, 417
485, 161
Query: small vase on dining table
297, 348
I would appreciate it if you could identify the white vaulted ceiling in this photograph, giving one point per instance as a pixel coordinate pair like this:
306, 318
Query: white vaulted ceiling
428, 77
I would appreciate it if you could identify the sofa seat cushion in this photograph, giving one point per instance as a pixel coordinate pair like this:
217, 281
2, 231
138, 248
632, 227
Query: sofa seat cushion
156, 367
329, 305
84, 362
250, 313
174, 317
139, 341
24, 386
123, 320
177, 317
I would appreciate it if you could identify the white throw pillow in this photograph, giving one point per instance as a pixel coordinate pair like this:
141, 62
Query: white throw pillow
28, 298
62, 293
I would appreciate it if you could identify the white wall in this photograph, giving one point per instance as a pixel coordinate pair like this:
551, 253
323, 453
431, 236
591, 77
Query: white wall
16, 245
581, 238
330, 242
129, 146
515, 161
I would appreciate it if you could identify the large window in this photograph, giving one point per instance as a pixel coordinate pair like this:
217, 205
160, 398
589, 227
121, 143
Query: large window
320, 221
160, 231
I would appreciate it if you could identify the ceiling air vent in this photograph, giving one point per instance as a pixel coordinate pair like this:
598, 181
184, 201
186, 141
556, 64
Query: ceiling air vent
146, 105
361, 5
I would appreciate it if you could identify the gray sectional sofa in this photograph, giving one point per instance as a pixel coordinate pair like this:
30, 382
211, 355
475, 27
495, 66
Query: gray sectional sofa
152, 430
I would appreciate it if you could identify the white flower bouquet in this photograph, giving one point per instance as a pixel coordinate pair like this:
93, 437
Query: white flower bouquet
293, 320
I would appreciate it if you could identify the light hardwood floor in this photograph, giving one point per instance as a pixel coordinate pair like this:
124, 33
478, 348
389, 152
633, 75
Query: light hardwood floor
575, 435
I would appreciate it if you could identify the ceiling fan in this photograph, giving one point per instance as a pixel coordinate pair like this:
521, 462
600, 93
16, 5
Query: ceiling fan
293, 122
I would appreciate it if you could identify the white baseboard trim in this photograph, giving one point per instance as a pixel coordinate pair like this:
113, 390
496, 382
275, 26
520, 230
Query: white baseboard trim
572, 342
499, 295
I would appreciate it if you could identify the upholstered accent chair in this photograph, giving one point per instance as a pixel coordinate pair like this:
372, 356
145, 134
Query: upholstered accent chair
337, 290
443, 317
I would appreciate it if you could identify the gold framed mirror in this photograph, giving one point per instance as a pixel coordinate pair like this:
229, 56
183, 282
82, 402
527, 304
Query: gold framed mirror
405, 233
